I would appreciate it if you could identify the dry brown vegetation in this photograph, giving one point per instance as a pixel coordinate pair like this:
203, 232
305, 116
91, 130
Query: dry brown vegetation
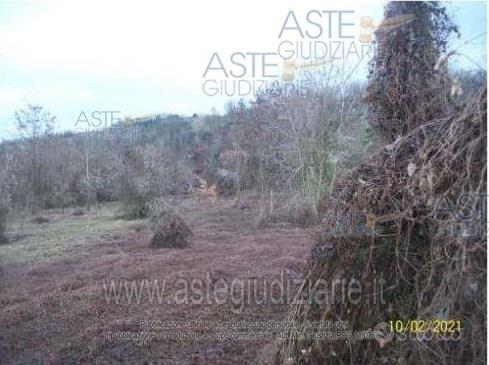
341, 181
430, 272
54, 310
414, 197
171, 231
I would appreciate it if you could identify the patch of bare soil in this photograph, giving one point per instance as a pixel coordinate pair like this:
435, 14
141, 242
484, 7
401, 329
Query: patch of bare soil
57, 311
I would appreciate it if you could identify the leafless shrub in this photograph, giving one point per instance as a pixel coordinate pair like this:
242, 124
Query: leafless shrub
285, 207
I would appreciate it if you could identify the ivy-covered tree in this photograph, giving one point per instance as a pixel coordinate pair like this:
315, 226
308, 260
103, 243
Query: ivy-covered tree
406, 89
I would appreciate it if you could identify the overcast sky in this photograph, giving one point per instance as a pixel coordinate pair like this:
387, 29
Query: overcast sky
141, 57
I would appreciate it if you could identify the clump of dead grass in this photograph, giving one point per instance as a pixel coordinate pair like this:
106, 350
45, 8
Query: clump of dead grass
169, 228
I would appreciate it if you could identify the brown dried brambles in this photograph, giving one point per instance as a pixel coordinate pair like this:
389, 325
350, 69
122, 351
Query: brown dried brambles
423, 236
419, 250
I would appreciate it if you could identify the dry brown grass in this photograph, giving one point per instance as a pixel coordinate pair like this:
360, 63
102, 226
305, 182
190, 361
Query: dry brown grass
57, 311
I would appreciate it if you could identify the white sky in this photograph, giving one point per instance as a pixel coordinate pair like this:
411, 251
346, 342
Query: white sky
142, 57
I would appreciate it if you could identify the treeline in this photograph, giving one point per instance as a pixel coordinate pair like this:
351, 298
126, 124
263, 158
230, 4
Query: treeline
288, 141
45, 170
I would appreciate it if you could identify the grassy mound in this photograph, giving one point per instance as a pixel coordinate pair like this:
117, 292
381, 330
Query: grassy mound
171, 231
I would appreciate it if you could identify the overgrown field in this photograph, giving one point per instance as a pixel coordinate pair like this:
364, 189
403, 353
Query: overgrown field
55, 309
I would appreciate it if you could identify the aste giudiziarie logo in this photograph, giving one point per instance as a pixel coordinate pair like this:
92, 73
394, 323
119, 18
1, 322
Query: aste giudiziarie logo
105, 123
307, 42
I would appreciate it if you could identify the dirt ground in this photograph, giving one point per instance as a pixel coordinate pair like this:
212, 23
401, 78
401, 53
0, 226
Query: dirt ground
54, 305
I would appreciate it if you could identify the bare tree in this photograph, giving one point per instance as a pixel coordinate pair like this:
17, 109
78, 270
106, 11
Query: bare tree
34, 125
